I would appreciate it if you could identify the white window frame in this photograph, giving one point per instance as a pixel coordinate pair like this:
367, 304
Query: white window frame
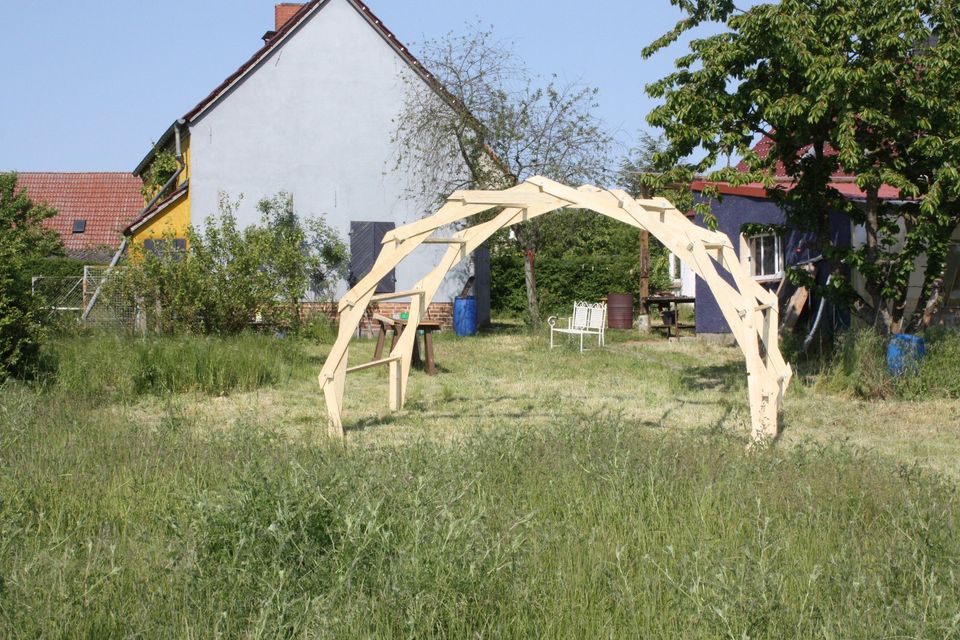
675, 268
757, 256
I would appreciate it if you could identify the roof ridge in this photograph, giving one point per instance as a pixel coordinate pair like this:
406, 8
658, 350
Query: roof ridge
72, 173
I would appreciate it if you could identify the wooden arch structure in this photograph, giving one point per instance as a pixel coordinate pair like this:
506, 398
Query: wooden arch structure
749, 309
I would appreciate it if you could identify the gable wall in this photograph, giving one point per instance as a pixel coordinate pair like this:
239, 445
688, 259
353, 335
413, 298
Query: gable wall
316, 119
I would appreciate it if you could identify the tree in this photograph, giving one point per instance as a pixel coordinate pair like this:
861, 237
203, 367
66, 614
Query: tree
303, 254
22, 241
487, 124
838, 86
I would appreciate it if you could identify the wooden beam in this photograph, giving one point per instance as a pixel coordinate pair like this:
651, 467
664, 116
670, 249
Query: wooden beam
380, 297
371, 364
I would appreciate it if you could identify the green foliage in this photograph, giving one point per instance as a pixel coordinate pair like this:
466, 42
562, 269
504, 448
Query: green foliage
229, 276
590, 528
645, 173
858, 367
162, 168
102, 368
23, 242
496, 127
867, 89
55, 267
587, 257
938, 375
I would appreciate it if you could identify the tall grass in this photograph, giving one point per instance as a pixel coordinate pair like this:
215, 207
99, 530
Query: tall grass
113, 367
591, 528
858, 366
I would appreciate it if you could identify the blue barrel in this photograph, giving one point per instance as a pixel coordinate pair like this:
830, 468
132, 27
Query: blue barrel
904, 352
465, 316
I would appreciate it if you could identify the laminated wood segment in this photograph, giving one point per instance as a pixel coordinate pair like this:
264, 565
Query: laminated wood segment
750, 310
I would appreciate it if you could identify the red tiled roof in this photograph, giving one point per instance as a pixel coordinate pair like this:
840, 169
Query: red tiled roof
763, 147
847, 188
843, 182
108, 202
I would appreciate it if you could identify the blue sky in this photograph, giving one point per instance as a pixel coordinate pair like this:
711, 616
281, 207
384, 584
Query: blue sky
89, 85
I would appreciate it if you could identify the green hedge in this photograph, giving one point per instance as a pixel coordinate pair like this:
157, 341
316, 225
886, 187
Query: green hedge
563, 279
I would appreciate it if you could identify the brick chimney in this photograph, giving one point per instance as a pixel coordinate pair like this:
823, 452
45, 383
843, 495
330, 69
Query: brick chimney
283, 12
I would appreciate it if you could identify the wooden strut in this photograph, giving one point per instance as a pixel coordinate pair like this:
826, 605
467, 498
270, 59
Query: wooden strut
749, 309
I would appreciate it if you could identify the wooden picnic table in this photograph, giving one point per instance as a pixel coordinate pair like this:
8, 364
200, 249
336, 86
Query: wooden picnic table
669, 307
396, 327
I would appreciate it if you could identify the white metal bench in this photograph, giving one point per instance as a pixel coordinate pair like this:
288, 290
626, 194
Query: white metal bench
588, 319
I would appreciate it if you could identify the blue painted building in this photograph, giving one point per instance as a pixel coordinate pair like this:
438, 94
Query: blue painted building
772, 253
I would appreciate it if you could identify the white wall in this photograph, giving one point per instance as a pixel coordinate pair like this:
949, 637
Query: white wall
316, 119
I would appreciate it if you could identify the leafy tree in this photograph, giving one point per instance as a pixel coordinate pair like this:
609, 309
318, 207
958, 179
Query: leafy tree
23, 241
227, 275
303, 255
493, 126
866, 88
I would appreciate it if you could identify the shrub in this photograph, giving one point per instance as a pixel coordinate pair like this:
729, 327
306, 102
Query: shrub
858, 366
227, 276
23, 241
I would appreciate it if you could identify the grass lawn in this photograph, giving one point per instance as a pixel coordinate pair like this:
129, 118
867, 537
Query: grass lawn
522, 493
507, 378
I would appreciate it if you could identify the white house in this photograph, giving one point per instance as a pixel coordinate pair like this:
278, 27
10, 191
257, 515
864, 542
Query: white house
312, 113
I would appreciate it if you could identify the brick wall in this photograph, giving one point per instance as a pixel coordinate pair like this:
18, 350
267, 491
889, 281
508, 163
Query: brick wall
440, 312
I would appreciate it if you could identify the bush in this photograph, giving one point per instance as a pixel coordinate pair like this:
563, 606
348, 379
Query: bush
563, 279
23, 241
115, 368
227, 277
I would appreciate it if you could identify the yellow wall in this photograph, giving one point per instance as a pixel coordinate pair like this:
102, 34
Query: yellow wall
175, 219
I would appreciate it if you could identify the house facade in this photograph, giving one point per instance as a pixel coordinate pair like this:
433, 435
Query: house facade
312, 113
93, 209
766, 255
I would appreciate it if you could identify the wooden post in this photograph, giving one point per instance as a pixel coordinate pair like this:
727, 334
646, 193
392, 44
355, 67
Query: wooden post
644, 270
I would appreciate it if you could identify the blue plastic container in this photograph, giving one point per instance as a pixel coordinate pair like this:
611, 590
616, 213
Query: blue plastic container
904, 352
465, 316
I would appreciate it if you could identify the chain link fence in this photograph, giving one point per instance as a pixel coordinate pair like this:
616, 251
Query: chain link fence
70, 296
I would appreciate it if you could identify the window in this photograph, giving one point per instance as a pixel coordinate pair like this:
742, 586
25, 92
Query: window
159, 247
673, 262
79, 226
767, 252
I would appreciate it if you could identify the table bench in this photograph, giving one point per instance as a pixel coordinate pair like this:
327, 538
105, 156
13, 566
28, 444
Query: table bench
396, 327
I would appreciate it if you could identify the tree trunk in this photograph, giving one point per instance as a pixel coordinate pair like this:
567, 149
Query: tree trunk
533, 306
882, 318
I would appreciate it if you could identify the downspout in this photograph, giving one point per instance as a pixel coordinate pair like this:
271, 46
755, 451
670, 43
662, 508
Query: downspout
126, 237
